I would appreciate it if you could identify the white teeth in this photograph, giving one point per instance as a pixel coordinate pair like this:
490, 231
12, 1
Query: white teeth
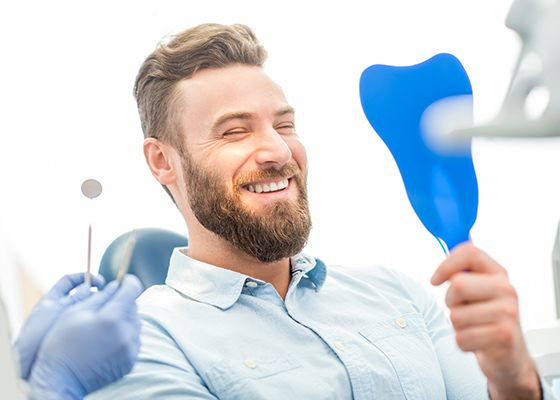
268, 187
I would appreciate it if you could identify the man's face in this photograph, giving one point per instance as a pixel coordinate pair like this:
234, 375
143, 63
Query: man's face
244, 166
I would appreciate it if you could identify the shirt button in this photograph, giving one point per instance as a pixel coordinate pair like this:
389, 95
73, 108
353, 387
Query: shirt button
401, 322
251, 284
339, 346
250, 364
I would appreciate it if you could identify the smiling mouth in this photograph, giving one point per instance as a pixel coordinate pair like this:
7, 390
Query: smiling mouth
268, 187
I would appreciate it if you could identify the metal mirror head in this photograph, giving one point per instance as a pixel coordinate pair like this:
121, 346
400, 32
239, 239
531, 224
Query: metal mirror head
91, 188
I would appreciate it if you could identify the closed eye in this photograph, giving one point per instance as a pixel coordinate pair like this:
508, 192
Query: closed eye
286, 127
233, 132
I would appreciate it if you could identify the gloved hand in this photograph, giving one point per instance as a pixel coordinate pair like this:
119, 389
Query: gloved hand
46, 312
93, 343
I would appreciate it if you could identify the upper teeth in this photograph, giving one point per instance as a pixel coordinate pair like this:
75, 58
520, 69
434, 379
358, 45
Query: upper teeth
268, 187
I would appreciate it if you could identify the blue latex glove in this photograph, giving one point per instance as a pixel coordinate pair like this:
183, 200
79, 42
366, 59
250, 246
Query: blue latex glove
46, 312
93, 343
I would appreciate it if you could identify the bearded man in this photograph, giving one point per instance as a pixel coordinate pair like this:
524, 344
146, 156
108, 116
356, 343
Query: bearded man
243, 313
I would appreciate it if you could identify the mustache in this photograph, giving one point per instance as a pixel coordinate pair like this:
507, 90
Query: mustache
286, 171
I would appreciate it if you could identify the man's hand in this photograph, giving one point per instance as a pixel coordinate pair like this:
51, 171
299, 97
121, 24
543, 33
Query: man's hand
485, 315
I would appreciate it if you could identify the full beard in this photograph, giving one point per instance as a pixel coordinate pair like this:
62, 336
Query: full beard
280, 230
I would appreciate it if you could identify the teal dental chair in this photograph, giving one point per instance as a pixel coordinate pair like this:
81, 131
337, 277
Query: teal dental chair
150, 256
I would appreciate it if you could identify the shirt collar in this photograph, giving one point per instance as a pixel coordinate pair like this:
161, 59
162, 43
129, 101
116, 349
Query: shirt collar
308, 267
222, 287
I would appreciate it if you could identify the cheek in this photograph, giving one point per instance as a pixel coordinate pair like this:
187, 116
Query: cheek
229, 162
299, 154
225, 166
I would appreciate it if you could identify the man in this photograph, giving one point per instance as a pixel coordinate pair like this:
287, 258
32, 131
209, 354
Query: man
245, 315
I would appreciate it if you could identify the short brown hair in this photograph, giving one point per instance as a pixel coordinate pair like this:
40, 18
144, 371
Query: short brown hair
201, 47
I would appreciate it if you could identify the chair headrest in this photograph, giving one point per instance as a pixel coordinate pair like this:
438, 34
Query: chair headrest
150, 256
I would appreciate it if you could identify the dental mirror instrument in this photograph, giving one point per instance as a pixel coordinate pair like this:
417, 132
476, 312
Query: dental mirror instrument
91, 188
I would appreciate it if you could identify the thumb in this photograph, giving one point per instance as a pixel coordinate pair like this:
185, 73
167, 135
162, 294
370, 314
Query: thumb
129, 290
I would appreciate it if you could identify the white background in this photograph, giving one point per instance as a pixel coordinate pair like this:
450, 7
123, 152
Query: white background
67, 114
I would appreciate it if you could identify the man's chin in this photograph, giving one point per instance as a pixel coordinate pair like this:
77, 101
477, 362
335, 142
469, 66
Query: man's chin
267, 234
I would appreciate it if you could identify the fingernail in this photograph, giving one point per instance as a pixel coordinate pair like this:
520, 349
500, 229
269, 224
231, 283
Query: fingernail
434, 280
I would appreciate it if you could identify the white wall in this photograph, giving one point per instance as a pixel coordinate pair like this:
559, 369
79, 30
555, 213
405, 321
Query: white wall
68, 114
9, 285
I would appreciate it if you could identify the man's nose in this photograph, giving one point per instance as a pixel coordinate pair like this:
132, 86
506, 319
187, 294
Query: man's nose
272, 149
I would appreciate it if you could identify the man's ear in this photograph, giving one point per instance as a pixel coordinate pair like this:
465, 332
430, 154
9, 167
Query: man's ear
159, 157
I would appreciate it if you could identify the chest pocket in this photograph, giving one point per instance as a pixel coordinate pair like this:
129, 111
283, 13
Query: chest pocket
405, 342
252, 377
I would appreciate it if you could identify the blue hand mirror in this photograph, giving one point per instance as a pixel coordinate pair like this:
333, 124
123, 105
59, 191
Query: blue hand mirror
441, 186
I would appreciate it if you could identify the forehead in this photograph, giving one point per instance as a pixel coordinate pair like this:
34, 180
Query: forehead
210, 93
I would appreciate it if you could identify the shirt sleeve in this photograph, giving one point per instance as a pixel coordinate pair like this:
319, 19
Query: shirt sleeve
161, 372
462, 375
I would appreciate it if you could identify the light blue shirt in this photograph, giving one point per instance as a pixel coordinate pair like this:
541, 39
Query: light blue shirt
343, 334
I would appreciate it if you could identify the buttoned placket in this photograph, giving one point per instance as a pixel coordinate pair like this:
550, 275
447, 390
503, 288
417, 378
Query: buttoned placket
358, 375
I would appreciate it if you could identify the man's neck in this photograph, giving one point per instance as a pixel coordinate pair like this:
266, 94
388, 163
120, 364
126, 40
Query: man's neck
220, 253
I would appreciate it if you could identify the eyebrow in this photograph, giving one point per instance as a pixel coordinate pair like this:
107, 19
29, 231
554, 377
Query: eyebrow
247, 115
